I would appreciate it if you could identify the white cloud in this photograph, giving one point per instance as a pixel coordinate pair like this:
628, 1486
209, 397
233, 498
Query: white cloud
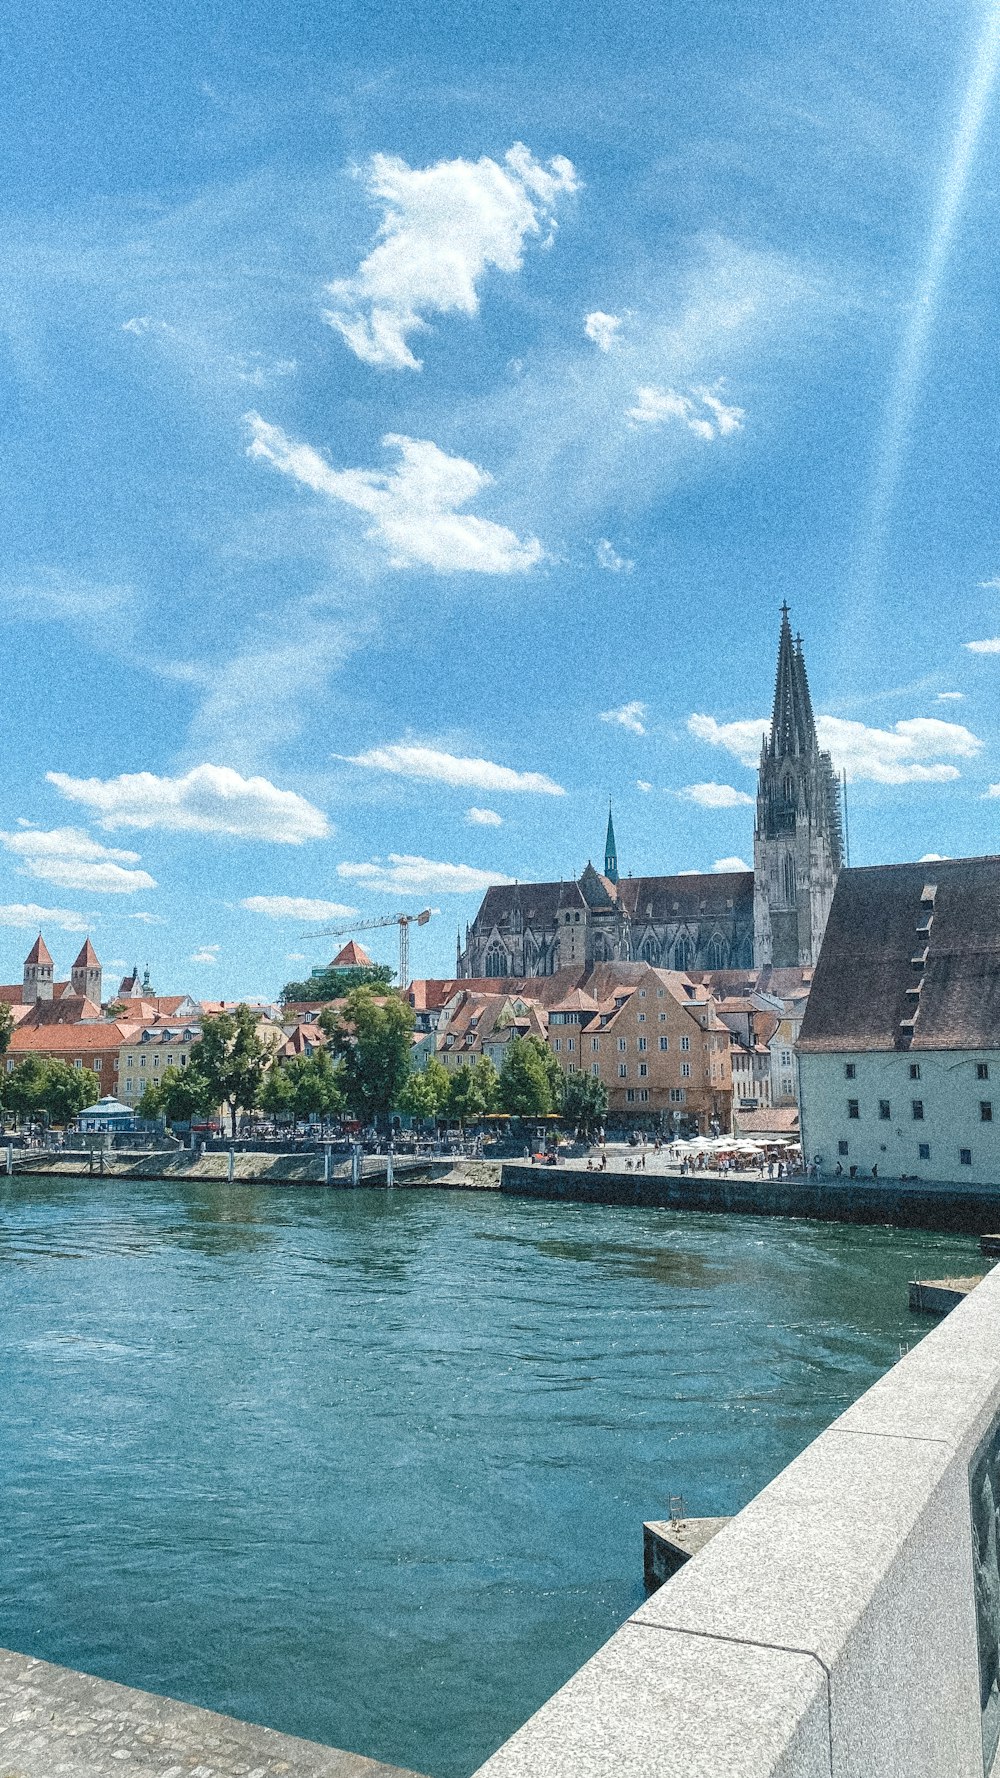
729, 864
443, 228
296, 907
990, 646
910, 753
992, 791
148, 919
52, 594
933, 858
602, 329
430, 763
207, 954
483, 818
415, 507
991, 585
608, 557
701, 411
716, 796
743, 739
407, 873
951, 697
208, 799
643, 784
629, 716
30, 916
295, 956
69, 858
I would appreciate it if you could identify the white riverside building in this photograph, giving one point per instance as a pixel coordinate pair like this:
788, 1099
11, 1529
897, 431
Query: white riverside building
899, 1052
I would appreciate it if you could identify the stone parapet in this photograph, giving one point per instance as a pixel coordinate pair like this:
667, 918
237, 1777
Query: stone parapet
846, 1623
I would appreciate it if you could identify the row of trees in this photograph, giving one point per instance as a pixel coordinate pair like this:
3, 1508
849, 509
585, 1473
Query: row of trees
366, 1070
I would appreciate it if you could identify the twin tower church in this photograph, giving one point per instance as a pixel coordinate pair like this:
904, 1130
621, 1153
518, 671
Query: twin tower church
773, 915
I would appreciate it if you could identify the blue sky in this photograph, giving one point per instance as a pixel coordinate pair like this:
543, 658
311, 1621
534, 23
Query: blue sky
413, 420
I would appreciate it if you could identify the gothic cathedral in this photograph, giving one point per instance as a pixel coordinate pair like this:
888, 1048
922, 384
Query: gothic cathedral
773, 915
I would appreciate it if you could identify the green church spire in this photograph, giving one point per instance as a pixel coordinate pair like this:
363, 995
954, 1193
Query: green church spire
611, 852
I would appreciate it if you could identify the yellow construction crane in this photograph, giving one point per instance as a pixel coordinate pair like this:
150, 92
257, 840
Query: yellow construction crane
403, 921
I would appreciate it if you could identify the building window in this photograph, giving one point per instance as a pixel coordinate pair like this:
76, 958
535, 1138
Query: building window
97, 1067
850, 1070
677, 1095
986, 1111
786, 1087
918, 1110
685, 1043
965, 1157
659, 993
571, 1044
685, 1071
914, 1070
595, 1068
595, 1043
643, 1070
924, 1150
142, 1059
128, 1086
572, 1069
78, 1062
982, 1071
623, 1071
789, 878
663, 1018
786, 1058
852, 1108
496, 962
642, 1018
642, 996
841, 1147
622, 1045
641, 1043
683, 954
630, 1095
884, 1110
644, 1095
664, 1043
556, 1045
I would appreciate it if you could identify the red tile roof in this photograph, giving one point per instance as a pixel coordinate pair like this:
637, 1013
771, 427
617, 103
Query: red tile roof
39, 952
353, 956
88, 958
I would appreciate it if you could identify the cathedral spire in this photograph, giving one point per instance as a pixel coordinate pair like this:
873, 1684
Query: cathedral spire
611, 852
793, 728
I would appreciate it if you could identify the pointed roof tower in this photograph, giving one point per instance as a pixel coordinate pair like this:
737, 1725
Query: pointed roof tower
39, 953
793, 727
88, 958
611, 852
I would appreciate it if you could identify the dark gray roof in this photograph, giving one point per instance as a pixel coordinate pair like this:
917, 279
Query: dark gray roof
859, 996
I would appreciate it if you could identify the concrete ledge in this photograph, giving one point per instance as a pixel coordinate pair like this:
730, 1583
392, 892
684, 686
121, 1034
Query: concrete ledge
57, 1722
938, 1296
854, 1583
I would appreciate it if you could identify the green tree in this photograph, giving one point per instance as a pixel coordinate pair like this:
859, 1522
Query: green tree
527, 1086
40, 1084
585, 1102
488, 1083
316, 1084
151, 1103
425, 1094
336, 984
277, 1095
465, 1101
372, 1039
184, 1094
24, 1088
233, 1060
6, 1025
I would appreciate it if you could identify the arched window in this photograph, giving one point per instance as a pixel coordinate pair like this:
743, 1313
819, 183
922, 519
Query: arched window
683, 954
788, 877
717, 953
788, 789
602, 950
496, 961
650, 951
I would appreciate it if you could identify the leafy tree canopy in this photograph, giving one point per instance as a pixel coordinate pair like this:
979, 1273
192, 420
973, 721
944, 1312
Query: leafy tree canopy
42, 1084
530, 1079
425, 1094
6, 1025
372, 1039
232, 1058
585, 1101
334, 984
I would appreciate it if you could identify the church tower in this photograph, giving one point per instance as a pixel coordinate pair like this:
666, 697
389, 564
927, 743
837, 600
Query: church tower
611, 852
85, 975
38, 966
798, 840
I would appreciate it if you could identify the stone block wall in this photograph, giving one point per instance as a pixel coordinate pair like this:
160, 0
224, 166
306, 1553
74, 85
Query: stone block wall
846, 1623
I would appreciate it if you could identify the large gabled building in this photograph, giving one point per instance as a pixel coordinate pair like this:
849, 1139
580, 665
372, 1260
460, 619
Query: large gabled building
773, 915
899, 1053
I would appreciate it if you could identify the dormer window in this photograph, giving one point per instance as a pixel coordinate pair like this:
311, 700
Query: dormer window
927, 895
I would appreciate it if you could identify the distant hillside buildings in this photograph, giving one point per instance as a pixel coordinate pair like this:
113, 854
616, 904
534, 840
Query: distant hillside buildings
774, 914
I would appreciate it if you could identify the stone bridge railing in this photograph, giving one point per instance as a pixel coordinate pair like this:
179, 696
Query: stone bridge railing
846, 1624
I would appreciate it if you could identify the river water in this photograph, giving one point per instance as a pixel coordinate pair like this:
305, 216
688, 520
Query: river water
372, 1467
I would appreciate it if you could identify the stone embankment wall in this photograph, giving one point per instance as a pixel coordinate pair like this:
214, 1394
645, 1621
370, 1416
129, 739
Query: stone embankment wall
846, 1624
973, 1210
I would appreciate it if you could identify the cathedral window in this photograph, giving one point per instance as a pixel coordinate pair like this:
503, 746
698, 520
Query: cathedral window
788, 789
650, 950
682, 954
496, 961
716, 954
788, 877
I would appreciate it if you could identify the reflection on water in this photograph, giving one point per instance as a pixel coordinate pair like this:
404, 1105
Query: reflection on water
372, 1466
